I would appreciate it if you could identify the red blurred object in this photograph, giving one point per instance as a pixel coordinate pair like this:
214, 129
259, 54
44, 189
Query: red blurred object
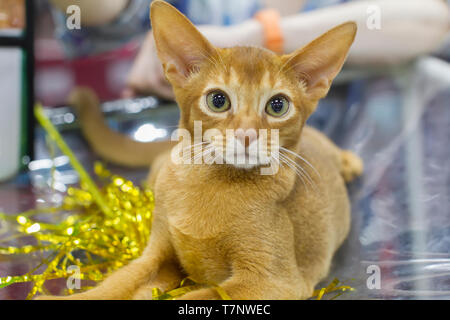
56, 76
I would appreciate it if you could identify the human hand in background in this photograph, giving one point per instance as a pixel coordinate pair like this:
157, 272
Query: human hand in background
147, 75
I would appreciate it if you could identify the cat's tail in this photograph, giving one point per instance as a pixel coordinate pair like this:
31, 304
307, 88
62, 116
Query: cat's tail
108, 144
352, 165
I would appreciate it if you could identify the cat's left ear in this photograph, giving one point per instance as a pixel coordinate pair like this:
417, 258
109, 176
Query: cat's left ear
318, 63
180, 46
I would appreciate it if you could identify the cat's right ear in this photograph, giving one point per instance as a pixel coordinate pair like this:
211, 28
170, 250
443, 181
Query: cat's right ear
180, 46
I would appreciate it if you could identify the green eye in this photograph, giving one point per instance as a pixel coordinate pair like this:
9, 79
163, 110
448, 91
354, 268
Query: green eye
218, 101
277, 106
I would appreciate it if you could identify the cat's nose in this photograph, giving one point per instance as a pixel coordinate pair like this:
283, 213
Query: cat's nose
246, 137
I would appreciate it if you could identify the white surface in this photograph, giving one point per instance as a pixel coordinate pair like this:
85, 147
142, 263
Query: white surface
10, 109
11, 32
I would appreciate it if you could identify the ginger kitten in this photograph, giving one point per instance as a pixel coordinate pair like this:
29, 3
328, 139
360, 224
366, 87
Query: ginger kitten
258, 236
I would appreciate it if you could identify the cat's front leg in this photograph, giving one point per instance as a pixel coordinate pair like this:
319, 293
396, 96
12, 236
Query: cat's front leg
254, 286
201, 294
120, 285
168, 277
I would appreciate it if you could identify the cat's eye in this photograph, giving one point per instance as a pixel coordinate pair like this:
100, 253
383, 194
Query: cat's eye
277, 106
218, 101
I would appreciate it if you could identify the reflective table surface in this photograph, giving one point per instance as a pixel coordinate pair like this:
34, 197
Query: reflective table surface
399, 244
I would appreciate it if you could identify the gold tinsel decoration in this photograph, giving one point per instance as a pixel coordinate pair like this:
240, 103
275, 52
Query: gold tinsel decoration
100, 230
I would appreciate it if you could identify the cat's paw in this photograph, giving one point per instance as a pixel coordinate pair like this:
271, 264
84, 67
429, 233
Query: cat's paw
145, 293
201, 294
351, 166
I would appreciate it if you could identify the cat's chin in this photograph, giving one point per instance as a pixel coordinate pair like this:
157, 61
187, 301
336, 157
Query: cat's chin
243, 163
247, 165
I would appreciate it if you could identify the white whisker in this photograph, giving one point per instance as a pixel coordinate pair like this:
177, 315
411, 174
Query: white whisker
304, 172
204, 152
301, 158
297, 172
194, 145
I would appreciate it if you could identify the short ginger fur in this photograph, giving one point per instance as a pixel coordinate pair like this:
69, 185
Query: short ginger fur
257, 236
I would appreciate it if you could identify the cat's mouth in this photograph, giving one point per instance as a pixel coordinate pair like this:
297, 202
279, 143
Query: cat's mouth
242, 157
245, 159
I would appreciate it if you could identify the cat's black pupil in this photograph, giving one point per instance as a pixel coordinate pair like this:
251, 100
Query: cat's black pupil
277, 104
219, 100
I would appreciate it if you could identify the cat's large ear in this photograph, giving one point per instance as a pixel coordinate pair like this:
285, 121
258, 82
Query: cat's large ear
318, 63
181, 47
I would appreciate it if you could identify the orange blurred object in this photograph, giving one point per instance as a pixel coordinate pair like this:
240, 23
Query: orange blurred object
12, 14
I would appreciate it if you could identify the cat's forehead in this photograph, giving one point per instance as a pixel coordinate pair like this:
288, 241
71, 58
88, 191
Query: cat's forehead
249, 67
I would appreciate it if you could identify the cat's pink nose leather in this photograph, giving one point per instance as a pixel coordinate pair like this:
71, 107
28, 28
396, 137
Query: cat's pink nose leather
246, 137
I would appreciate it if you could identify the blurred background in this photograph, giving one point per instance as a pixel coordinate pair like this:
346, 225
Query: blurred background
390, 104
